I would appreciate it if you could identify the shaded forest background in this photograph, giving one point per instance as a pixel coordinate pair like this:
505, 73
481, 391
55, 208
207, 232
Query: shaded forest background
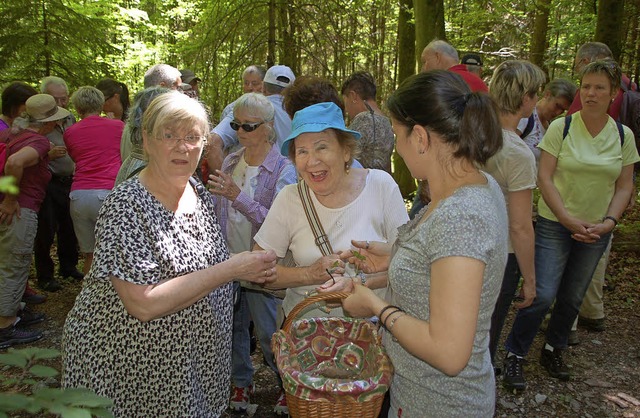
86, 40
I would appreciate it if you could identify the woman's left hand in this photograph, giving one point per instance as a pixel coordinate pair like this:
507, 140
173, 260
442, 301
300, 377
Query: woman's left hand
362, 302
223, 185
527, 294
601, 229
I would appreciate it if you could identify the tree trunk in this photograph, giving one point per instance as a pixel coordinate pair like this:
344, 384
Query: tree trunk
46, 49
406, 68
429, 18
539, 44
287, 50
608, 27
271, 42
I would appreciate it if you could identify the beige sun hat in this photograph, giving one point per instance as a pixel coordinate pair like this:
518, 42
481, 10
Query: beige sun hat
43, 108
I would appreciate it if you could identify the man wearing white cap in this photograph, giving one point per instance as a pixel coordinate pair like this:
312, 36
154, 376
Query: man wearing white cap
224, 137
27, 161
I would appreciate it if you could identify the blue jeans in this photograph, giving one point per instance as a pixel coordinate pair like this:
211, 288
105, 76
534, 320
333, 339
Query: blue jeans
262, 308
564, 268
508, 289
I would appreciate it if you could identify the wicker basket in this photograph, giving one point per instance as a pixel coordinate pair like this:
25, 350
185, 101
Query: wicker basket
331, 367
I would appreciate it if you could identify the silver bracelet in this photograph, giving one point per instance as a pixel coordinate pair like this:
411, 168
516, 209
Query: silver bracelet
363, 278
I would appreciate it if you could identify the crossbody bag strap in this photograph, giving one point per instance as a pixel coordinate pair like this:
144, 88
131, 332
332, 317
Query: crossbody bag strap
321, 238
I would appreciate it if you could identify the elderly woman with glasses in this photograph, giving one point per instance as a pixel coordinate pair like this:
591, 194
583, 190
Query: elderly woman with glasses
151, 328
351, 203
245, 188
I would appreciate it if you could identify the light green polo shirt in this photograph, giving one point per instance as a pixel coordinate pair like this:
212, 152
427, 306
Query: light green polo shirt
587, 167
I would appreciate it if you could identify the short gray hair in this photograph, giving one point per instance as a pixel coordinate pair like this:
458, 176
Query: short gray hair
88, 100
21, 123
161, 73
562, 88
593, 51
254, 69
52, 79
443, 47
259, 106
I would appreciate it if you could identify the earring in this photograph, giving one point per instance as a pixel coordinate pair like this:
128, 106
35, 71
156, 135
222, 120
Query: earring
354, 101
347, 168
421, 151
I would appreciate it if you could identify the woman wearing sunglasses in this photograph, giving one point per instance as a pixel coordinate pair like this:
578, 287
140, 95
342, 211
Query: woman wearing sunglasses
245, 187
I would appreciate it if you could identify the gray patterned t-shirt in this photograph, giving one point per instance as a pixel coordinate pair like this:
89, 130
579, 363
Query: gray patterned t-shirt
470, 223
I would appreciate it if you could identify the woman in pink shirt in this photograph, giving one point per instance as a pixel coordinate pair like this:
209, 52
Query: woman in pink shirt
94, 145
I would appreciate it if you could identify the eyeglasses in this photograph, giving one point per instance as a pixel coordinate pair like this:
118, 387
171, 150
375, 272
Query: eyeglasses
172, 140
247, 127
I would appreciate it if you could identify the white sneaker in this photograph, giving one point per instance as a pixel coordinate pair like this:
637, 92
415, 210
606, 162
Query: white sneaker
281, 407
240, 397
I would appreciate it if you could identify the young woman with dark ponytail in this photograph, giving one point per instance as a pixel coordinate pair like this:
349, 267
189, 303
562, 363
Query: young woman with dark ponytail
445, 268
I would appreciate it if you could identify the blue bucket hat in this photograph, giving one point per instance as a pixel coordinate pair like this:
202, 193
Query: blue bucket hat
316, 118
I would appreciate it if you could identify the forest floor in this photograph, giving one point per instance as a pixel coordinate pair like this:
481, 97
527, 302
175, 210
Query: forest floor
605, 367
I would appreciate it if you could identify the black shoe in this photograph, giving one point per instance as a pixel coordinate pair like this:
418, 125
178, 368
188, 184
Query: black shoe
595, 325
11, 336
73, 274
49, 285
513, 378
552, 361
29, 317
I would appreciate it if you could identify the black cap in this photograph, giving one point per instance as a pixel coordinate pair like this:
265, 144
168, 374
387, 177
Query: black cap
472, 59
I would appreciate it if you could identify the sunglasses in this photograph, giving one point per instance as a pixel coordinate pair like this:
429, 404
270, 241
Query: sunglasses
247, 127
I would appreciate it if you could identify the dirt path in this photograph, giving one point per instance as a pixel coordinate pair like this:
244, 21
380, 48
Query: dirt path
605, 366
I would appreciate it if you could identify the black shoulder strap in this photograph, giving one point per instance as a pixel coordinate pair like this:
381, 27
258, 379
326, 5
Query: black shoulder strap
567, 124
527, 130
621, 133
199, 187
136, 171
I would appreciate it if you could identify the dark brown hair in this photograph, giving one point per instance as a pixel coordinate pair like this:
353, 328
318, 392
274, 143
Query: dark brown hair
442, 102
308, 90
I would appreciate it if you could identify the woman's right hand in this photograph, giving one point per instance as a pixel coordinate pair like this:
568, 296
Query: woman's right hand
318, 272
376, 256
580, 229
256, 266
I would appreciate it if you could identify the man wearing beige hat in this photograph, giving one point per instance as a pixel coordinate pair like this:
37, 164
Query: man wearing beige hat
27, 160
54, 217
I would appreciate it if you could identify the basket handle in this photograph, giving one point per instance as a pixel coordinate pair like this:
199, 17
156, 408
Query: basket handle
300, 307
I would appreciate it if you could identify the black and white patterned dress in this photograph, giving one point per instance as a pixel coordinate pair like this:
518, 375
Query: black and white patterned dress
175, 366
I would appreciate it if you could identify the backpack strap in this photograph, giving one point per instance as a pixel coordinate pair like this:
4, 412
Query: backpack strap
527, 130
621, 133
567, 124
321, 238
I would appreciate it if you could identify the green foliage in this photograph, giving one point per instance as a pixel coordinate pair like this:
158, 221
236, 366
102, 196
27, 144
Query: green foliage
24, 389
54, 37
8, 185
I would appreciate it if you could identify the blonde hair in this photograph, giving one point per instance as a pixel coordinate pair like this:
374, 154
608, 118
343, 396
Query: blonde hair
174, 109
512, 80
